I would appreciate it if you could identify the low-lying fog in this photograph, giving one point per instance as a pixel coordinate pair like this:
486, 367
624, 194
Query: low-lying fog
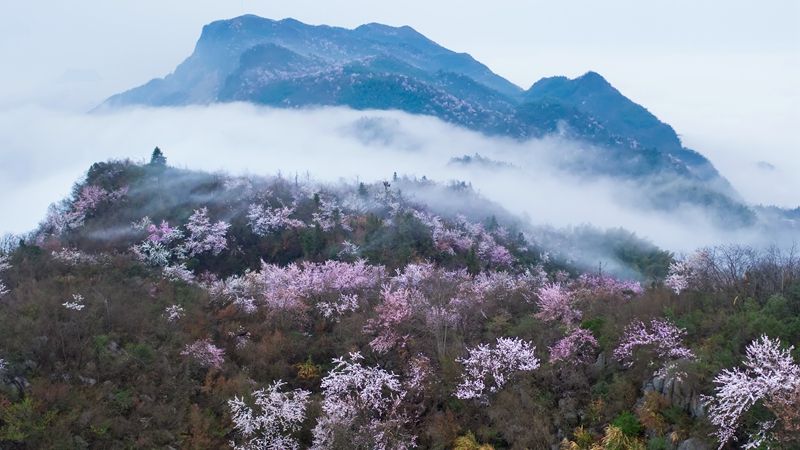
42, 153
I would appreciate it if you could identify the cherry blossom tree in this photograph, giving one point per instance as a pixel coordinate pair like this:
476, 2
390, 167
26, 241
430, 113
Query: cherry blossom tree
161, 247
418, 373
488, 368
447, 240
76, 304
607, 286
205, 353
678, 278
770, 377
73, 257
205, 236
265, 220
271, 421
71, 215
362, 408
178, 272
333, 286
163, 233
343, 304
330, 215
682, 273
661, 336
173, 313
395, 309
576, 348
556, 303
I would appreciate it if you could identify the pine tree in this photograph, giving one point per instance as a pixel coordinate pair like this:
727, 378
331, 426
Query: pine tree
158, 158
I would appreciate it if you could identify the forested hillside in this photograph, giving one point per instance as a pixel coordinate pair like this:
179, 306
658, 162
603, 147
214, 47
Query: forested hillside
163, 308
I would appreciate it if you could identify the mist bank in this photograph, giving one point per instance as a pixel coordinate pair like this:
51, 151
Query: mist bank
42, 153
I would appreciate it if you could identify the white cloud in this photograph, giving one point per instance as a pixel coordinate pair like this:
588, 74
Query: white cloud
43, 152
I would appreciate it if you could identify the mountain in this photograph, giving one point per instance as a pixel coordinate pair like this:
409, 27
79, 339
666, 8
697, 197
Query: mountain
290, 64
157, 307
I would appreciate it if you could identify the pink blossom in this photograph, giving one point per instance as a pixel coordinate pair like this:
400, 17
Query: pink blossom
271, 421
607, 286
418, 372
576, 348
493, 253
770, 375
413, 275
663, 337
395, 309
679, 277
205, 353
178, 273
555, 302
487, 369
205, 236
332, 285
73, 215
163, 233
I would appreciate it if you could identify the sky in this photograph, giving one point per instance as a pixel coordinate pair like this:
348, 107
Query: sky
724, 74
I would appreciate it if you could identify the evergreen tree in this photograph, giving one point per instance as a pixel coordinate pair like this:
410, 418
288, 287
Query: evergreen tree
158, 158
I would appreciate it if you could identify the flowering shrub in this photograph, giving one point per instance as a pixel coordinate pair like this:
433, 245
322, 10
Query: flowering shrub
770, 376
272, 419
487, 369
205, 353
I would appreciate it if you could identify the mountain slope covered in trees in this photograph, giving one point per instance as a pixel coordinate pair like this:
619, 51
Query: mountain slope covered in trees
158, 307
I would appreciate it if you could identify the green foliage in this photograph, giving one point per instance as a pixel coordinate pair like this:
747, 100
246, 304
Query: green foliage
25, 422
658, 443
629, 424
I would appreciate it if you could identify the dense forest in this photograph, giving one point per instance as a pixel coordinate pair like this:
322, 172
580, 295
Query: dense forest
157, 307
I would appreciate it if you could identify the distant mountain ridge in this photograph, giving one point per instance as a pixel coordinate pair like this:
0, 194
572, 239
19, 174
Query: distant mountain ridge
287, 63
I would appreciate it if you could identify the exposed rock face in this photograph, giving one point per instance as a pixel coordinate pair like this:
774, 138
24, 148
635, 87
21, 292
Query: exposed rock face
693, 444
678, 392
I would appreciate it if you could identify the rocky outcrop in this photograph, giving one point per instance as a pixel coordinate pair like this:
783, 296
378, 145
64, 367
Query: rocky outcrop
678, 392
693, 444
